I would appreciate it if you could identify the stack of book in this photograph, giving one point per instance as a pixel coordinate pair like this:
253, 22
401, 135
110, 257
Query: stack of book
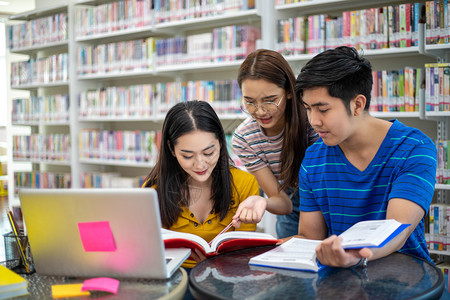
11, 284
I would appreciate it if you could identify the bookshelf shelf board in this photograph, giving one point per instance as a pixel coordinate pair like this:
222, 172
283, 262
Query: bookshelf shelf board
390, 52
442, 186
113, 36
122, 74
241, 17
61, 46
36, 86
206, 66
440, 252
3, 177
369, 54
437, 114
437, 47
42, 12
380, 114
318, 6
222, 116
110, 162
231, 117
14, 200
41, 161
93, 2
49, 123
118, 119
299, 57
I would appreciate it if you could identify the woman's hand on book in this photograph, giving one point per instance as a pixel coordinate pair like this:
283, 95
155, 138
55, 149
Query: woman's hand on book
250, 211
331, 253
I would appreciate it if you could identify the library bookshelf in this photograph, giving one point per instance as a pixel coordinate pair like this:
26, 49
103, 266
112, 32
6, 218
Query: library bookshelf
93, 95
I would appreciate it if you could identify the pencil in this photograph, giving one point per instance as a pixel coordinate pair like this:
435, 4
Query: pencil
16, 236
224, 230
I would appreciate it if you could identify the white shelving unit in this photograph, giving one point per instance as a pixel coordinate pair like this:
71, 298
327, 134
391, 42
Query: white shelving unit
264, 15
34, 89
3, 178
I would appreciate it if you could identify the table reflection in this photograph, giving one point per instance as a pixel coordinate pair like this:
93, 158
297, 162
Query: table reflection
397, 276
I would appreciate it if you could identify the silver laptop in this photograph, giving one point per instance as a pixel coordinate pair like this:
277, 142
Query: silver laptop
98, 232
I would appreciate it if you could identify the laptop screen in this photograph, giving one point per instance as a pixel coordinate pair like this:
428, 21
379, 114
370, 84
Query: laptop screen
95, 232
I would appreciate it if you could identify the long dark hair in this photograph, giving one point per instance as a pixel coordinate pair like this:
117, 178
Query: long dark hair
272, 67
170, 180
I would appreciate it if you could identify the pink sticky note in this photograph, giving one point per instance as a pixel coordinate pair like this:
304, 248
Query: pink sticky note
96, 236
101, 284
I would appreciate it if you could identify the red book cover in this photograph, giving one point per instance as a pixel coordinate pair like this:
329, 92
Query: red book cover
226, 242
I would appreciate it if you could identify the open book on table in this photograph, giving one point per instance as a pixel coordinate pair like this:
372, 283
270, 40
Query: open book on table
225, 242
300, 254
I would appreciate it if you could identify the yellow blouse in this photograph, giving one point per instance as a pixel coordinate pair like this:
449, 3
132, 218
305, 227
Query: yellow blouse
245, 185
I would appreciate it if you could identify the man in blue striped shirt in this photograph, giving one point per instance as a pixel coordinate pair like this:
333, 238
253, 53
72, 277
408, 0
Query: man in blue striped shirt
361, 167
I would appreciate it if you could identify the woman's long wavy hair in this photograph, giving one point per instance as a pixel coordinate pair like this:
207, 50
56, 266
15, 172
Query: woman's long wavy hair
272, 67
170, 180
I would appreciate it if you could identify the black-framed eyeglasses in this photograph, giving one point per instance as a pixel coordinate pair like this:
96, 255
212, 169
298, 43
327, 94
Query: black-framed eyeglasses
268, 106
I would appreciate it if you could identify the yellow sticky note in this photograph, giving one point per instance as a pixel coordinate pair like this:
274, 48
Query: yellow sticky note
68, 290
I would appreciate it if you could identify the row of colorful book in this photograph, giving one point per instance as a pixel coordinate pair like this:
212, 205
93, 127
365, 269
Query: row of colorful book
438, 236
437, 88
394, 26
283, 2
224, 96
119, 145
445, 268
38, 32
49, 180
51, 108
116, 57
45, 147
149, 99
109, 180
443, 162
437, 20
443, 176
228, 43
169, 11
113, 17
51, 69
135, 14
396, 90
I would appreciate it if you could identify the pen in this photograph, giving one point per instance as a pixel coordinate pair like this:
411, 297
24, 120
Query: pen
16, 236
224, 230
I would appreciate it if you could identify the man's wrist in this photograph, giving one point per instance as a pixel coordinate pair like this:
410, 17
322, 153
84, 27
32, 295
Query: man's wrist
362, 262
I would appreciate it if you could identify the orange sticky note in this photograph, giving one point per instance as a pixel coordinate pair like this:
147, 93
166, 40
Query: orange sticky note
68, 290
101, 284
96, 236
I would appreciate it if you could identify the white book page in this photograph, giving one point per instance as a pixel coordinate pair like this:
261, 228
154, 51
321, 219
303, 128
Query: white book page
231, 235
368, 233
169, 234
294, 250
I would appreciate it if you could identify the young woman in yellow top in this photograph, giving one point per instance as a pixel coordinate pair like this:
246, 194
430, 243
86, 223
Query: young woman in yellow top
199, 191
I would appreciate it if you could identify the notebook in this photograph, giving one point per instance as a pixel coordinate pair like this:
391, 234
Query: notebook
98, 232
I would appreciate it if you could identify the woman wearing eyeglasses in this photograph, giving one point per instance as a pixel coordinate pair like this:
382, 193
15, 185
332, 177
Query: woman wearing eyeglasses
271, 143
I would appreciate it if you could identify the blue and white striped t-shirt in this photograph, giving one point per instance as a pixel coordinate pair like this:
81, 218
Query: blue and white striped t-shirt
404, 167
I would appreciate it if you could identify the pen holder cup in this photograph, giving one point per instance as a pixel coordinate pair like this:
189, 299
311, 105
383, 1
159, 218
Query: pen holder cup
13, 259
